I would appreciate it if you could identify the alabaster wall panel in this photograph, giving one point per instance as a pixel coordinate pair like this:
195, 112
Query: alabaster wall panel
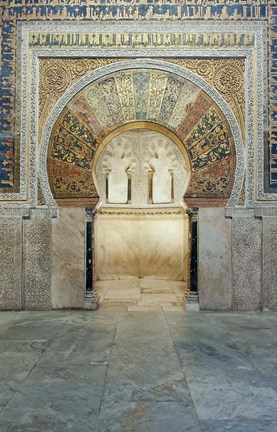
214, 278
10, 263
37, 259
269, 262
68, 271
146, 246
247, 262
164, 247
117, 240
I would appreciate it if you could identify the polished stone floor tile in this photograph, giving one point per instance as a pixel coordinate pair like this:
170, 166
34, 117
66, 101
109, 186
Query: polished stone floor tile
142, 325
140, 372
54, 399
222, 377
86, 344
143, 294
14, 369
239, 426
239, 394
114, 370
140, 416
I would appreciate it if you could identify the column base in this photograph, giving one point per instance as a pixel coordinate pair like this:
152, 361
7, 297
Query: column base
193, 303
91, 300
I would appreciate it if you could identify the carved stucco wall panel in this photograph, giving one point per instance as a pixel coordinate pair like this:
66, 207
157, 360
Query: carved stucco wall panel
37, 259
57, 75
269, 262
10, 262
247, 261
226, 76
139, 147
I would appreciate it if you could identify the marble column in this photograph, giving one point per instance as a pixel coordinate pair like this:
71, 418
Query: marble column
193, 298
247, 260
91, 299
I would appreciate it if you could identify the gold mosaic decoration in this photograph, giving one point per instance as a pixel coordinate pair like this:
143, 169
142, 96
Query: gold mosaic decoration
57, 75
145, 95
226, 76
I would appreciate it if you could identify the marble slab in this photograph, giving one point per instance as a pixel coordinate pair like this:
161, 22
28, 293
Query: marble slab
214, 260
239, 426
141, 246
68, 272
58, 399
141, 416
116, 247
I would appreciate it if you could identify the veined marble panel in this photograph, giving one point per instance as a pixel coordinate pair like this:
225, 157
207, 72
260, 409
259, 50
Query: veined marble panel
214, 260
141, 246
164, 247
117, 240
68, 272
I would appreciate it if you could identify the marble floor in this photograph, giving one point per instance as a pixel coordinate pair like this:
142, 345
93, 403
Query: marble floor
143, 294
142, 371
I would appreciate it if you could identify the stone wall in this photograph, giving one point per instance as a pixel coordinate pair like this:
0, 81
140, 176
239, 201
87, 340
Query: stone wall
25, 264
237, 259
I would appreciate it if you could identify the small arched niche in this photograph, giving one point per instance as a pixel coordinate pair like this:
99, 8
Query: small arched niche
141, 172
142, 165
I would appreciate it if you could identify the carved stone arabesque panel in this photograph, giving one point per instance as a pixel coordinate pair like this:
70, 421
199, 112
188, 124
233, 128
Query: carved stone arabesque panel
10, 262
37, 259
57, 75
226, 76
269, 262
247, 261
140, 147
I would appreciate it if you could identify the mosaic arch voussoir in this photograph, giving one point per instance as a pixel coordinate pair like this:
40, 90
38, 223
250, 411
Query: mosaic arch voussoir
150, 94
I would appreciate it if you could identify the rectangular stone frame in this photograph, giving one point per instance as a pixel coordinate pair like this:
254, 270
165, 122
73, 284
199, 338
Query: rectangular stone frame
256, 96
